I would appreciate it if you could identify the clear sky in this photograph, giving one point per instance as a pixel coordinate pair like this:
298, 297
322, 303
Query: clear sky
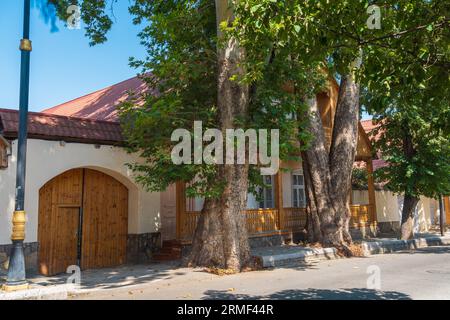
63, 65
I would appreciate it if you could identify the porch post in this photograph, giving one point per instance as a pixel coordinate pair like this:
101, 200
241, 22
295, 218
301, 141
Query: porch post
279, 199
180, 207
371, 189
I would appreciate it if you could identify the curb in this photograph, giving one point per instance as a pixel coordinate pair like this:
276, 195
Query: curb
55, 292
388, 246
303, 255
369, 248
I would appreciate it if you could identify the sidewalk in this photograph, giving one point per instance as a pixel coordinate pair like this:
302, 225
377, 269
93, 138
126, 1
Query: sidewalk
57, 287
135, 276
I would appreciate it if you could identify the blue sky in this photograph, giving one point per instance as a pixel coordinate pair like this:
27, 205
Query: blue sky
63, 65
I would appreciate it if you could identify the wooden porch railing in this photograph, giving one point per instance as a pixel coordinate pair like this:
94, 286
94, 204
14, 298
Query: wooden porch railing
293, 219
362, 215
263, 222
259, 222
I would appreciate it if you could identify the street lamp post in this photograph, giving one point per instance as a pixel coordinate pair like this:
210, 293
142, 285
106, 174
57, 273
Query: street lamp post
16, 279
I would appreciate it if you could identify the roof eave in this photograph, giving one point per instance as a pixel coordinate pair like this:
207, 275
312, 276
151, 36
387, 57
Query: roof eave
13, 136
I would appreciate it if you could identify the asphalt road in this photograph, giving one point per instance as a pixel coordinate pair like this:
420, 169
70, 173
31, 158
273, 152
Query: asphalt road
421, 274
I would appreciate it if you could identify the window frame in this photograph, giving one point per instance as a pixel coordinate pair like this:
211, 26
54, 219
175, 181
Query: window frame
263, 192
300, 188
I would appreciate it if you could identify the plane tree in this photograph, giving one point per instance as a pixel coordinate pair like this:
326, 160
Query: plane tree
408, 93
254, 64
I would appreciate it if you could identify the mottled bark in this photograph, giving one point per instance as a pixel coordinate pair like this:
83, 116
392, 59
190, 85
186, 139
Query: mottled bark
343, 151
328, 172
316, 166
221, 238
314, 233
410, 202
409, 206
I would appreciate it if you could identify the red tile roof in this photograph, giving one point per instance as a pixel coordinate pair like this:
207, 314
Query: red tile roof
368, 126
54, 127
101, 104
379, 163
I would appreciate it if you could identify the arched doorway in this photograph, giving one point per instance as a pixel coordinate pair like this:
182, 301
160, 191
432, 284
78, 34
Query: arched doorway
83, 220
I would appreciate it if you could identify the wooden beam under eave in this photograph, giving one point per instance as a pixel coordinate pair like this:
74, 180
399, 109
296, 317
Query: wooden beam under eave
279, 198
180, 206
371, 188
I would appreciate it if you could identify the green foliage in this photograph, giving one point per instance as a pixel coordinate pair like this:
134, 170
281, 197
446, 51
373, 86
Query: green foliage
408, 91
359, 179
299, 43
404, 74
93, 13
181, 66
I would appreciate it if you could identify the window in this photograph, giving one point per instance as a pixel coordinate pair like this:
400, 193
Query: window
266, 194
298, 190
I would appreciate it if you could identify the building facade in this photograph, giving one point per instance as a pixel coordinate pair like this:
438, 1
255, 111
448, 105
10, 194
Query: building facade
84, 206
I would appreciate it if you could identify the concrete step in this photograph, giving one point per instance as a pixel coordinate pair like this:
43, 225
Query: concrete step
170, 250
165, 257
286, 255
172, 243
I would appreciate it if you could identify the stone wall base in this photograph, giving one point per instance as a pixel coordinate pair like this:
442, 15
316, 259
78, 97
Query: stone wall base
141, 247
364, 232
30, 253
389, 227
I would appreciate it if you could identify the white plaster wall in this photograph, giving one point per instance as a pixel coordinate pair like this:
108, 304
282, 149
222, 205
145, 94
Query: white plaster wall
360, 197
389, 208
47, 159
426, 209
286, 178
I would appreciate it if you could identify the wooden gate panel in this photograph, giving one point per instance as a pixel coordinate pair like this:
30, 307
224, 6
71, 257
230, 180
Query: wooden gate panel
59, 208
105, 221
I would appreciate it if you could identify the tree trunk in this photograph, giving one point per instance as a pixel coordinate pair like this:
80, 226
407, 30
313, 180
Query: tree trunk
316, 167
409, 206
314, 234
328, 172
343, 150
221, 238
409, 202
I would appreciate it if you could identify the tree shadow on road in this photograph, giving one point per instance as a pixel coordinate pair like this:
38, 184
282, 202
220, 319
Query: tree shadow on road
312, 294
112, 278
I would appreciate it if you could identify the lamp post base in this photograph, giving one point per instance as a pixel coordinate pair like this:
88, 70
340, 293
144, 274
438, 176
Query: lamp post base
15, 287
16, 270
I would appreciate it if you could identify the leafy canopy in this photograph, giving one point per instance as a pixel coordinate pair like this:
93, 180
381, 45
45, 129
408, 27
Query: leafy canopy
289, 47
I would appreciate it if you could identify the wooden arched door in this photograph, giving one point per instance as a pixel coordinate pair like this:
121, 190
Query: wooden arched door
83, 220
